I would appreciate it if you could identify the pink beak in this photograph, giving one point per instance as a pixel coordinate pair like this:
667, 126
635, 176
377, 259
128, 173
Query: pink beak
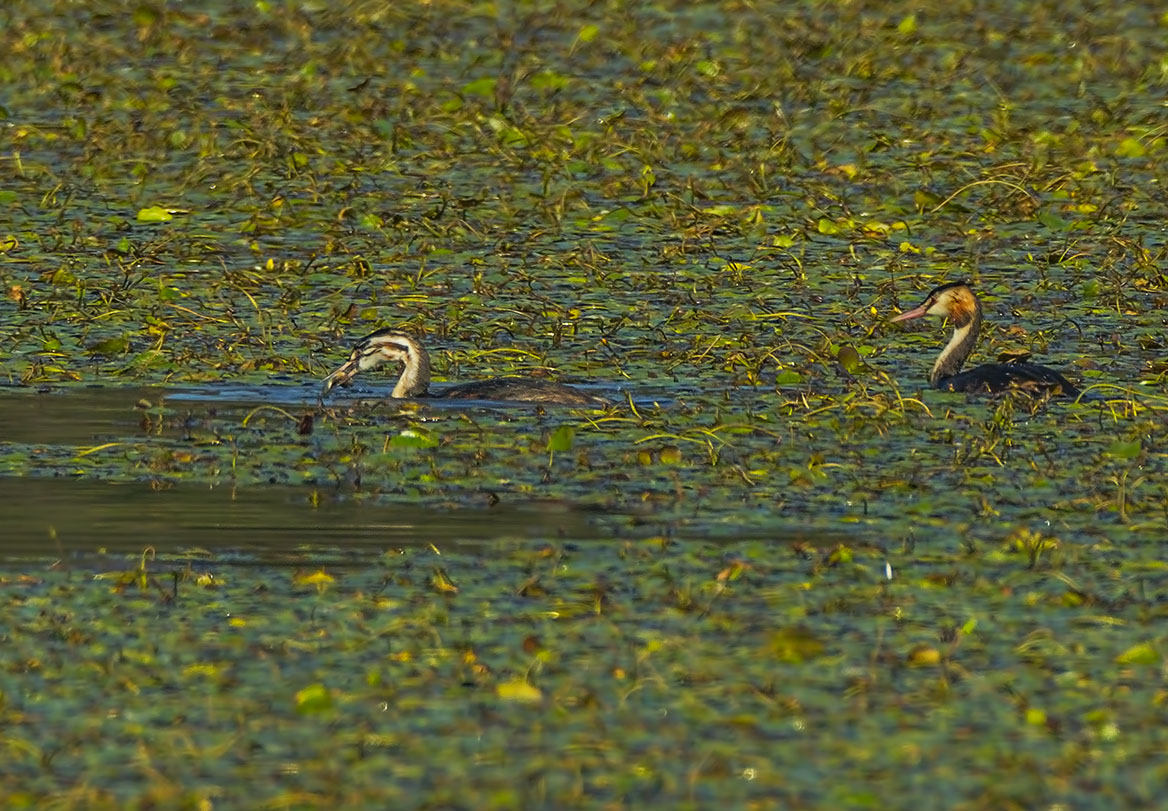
907, 314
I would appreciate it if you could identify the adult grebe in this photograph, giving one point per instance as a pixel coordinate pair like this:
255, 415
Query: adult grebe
391, 345
960, 305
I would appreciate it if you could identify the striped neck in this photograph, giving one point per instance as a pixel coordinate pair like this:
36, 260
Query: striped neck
960, 346
415, 376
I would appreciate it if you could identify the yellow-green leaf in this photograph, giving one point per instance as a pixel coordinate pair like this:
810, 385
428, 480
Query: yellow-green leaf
796, 644
313, 699
561, 439
520, 691
480, 87
848, 358
154, 214
1124, 450
924, 656
317, 578
1130, 148
1142, 654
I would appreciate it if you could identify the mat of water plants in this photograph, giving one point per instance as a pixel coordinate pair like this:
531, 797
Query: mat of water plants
778, 570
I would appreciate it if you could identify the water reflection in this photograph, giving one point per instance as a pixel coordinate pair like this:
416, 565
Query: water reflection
76, 440
57, 517
72, 415
369, 395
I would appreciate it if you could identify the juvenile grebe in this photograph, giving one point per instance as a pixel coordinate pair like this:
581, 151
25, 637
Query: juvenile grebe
960, 305
391, 345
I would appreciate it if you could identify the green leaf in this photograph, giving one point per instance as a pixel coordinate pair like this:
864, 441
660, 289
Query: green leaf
414, 438
480, 87
1130, 148
721, 210
1124, 450
848, 358
708, 68
548, 80
1052, 221
110, 346
370, 220
145, 15
796, 644
313, 699
561, 439
1141, 654
519, 691
154, 214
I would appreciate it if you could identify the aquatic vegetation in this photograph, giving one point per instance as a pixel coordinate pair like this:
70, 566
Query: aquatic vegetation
780, 567
653, 670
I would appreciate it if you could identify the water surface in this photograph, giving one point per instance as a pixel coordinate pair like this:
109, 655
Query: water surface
57, 516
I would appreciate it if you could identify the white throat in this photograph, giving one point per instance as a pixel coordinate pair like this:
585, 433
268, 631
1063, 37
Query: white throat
415, 376
953, 356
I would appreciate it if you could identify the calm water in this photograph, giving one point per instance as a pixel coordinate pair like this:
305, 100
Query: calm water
73, 415
50, 514
79, 475
47, 516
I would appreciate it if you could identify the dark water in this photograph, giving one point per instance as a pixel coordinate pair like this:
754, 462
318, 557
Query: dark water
373, 393
72, 415
77, 478
57, 517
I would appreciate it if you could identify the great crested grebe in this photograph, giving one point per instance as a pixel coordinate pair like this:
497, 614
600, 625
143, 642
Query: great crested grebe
957, 302
390, 345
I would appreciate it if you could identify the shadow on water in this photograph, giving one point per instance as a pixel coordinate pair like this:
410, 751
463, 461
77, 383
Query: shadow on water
362, 394
90, 414
60, 517
72, 415
63, 449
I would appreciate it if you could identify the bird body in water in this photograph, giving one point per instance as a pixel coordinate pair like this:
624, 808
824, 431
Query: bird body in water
958, 302
388, 345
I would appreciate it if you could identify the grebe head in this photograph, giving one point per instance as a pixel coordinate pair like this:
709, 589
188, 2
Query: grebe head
385, 345
954, 300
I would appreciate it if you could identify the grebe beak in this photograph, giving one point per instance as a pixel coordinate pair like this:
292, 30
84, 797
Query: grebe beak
342, 375
907, 314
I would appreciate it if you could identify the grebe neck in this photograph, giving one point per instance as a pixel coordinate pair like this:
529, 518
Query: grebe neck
415, 376
965, 329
